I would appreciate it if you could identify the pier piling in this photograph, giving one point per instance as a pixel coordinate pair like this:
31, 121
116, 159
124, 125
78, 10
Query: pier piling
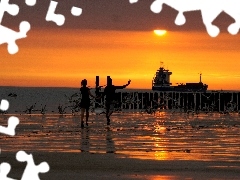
211, 101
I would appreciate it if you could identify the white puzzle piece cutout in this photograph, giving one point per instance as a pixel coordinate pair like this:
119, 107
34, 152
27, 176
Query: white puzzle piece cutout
10, 129
4, 170
76, 11
31, 171
59, 19
133, 1
11, 9
210, 10
8, 35
30, 2
4, 105
12, 121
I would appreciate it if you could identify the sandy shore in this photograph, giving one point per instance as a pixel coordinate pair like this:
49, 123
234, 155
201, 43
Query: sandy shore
76, 166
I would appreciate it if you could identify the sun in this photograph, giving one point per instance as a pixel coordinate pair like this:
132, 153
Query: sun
160, 32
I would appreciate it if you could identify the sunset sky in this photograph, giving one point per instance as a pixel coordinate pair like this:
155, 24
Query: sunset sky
116, 38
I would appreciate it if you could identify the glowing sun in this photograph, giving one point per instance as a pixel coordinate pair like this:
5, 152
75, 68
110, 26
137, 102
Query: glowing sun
160, 32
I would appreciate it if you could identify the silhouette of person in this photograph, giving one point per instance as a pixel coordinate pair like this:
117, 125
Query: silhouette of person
109, 92
85, 101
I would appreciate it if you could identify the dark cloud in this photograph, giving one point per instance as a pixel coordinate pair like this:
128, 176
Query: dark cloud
110, 14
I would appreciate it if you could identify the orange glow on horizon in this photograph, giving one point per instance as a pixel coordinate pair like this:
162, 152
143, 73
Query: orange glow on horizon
63, 57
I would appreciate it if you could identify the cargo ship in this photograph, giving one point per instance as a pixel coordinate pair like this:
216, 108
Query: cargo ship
161, 82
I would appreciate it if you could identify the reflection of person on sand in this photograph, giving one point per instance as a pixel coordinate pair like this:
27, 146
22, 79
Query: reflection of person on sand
85, 101
109, 91
85, 140
110, 146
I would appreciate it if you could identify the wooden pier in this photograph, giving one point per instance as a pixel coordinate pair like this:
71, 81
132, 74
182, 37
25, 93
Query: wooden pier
212, 101
209, 101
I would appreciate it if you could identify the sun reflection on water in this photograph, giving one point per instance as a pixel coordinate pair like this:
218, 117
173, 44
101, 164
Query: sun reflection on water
165, 136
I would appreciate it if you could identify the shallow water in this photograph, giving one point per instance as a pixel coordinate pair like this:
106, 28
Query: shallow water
164, 136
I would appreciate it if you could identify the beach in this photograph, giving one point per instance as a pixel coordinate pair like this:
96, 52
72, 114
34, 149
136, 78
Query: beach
110, 166
168, 70
137, 145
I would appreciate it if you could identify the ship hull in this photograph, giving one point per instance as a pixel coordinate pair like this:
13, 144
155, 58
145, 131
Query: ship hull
179, 89
159, 88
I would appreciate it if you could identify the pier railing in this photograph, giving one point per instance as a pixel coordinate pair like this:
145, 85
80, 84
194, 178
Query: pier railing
220, 101
148, 101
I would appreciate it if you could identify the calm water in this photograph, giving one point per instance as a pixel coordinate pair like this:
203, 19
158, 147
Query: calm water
21, 98
165, 136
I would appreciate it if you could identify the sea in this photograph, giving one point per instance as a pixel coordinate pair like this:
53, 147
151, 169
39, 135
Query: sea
47, 98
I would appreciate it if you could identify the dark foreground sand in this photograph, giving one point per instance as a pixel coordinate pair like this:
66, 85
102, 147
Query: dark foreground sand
80, 166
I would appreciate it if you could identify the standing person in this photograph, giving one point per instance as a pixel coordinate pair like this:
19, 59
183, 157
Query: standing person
109, 92
85, 101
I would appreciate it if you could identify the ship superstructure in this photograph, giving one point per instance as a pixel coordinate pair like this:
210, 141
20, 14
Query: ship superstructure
161, 82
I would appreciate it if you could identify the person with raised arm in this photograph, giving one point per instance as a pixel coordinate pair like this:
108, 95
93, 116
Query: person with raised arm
109, 92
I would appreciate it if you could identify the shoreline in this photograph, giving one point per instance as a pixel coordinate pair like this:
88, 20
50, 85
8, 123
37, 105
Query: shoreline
109, 166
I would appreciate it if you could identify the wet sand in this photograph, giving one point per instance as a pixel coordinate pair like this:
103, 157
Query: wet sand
109, 166
136, 146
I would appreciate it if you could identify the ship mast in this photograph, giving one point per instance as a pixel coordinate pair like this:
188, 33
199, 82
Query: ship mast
161, 63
